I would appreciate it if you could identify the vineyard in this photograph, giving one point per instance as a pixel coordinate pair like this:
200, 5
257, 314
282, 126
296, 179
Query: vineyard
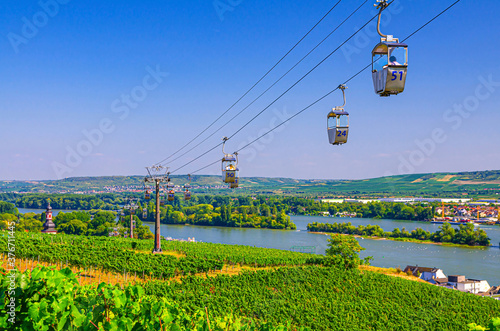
48, 299
298, 292
330, 299
299, 298
134, 256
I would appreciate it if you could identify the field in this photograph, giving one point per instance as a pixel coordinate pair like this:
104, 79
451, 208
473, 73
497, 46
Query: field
221, 287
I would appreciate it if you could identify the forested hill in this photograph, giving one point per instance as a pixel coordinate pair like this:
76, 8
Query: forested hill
479, 183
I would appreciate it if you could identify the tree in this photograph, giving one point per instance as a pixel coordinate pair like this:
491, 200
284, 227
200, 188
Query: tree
29, 224
396, 233
346, 248
5, 220
6, 207
103, 216
73, 227
223, 214
481, 237
445, 234
465, 235
66, 217
143, 232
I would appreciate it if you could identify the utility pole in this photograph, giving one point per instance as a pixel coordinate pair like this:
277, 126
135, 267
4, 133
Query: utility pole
132, 206
157, 174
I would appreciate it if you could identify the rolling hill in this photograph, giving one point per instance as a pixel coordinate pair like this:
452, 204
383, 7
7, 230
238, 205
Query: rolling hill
478, 183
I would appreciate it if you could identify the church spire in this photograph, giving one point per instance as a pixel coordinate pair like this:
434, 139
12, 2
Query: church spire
49, 226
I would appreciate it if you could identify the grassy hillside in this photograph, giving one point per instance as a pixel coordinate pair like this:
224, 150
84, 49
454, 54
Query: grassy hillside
479, 183
330, 299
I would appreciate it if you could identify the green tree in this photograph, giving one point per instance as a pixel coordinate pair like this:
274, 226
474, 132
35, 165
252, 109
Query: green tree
445, 234
345, 247
396, 233
481, 237
9, 208
73, 227
465, 235
29, 224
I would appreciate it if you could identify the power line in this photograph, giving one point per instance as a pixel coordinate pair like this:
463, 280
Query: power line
291, 87
324, 96
251, 88
276, 82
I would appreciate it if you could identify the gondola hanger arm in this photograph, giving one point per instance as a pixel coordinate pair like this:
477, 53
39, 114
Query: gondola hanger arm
381, 5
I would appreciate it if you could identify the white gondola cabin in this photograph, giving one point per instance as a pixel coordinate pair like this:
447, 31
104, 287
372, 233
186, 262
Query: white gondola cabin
338, 126
389, 61
338, 122
389, 65
230, 171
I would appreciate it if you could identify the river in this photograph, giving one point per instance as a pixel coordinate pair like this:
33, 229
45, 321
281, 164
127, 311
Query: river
477, 263
39, 211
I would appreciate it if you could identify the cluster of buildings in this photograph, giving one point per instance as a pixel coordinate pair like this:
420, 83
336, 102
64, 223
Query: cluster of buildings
437, 277
480, 211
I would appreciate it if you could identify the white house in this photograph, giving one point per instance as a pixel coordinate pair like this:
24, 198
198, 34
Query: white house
427, 274
468, 285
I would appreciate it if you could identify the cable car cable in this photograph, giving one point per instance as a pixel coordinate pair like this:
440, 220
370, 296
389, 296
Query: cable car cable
297, 82
296, 64
423, 26
304, 76
206, 152
327, 94
352, 77
251, 88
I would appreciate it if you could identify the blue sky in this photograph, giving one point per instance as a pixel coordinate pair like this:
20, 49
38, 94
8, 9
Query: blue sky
68, 67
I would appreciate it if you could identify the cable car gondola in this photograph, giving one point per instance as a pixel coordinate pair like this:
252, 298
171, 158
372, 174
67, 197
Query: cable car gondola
229, 166
235, 183
187, 194
162, 195
389, 61
170, 190
338, 123
147, 194
144, 213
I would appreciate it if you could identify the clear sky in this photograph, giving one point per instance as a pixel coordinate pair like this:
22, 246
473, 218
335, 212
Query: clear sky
94, 88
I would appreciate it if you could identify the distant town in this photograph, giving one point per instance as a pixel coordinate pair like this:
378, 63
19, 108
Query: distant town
451, 210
